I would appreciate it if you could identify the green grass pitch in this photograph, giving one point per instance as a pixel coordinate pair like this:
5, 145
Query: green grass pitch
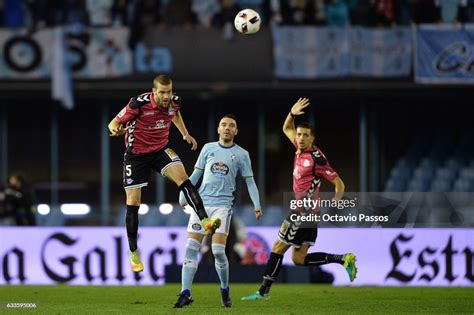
285, 299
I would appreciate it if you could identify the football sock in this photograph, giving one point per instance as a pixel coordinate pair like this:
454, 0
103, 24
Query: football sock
190, 264
318, 259
131, 221
271, 272
221, 263
193, 198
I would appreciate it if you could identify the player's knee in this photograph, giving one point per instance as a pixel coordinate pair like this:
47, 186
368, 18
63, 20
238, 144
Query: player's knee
218, 250
177, 174
298, 260
279, 248
133, 197
191, 253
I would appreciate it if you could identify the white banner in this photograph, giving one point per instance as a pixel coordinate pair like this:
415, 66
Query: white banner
96, 53
25, 56
99, 255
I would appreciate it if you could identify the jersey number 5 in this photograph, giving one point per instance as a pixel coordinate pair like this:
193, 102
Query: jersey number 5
128, 170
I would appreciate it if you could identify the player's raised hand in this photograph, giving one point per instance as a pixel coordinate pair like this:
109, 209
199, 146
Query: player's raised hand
258, 214
117, 131
189, 139
298, 107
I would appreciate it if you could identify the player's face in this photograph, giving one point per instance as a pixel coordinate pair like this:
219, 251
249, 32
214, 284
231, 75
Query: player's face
304, 138
227, 129
14, 182
162, 94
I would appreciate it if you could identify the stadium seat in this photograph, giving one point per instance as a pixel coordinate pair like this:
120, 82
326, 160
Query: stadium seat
418, 185
440, 185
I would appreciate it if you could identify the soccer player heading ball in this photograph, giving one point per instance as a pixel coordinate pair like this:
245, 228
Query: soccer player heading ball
219, 162
147, 119
310, 165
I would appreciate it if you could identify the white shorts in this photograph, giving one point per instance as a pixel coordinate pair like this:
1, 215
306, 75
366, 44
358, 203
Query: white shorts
223, 213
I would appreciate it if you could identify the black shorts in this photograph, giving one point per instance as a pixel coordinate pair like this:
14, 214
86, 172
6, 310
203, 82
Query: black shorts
137, 167
297, 233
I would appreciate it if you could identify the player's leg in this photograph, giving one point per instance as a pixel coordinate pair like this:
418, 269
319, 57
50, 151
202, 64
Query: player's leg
302, 258
131, 222
190, 263
219, 240
272, 270
317, 259
135, 176
175, 171
289, 235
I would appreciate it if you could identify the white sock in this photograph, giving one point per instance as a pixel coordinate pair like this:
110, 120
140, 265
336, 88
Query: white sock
222, 264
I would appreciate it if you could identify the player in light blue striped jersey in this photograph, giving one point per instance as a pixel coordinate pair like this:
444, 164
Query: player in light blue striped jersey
219, 163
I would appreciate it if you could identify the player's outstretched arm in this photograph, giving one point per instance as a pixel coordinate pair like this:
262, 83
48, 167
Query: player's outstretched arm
289, 125
179, 123
339, 188
254, 196
116, 128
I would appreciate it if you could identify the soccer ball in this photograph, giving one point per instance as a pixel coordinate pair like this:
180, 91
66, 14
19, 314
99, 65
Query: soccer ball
247, 21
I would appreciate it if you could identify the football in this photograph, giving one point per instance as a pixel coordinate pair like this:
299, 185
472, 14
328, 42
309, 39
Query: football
247, 21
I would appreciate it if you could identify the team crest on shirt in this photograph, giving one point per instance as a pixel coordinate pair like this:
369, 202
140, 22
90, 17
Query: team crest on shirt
196, 227
219, 169
306, 163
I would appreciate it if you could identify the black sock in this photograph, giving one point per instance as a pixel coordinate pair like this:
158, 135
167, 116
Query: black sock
318, 259
131, 221
193, 198
272, 270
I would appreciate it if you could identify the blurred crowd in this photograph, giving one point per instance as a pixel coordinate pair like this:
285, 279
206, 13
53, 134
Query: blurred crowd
218, 13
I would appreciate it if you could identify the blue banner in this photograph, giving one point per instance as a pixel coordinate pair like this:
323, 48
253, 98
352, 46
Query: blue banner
444, 55
329, 52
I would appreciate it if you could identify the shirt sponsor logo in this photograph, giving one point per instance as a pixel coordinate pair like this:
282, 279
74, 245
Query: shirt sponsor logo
219, 169
148, 113
122, 112
160, 124
171, 111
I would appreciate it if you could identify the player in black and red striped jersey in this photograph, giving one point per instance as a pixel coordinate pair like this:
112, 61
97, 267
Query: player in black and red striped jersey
310, 166
146, 121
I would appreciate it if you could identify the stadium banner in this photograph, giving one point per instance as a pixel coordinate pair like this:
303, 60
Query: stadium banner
99, 255
96, 53
444, 54
330, 52
24, 55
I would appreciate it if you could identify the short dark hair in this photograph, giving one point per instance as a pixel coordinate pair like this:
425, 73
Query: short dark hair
161, 79
231, 117
306, 125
